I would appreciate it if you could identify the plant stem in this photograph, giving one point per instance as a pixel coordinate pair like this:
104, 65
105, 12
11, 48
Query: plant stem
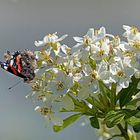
123, 131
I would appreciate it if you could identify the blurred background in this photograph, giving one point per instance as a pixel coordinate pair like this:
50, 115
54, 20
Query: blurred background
24, 21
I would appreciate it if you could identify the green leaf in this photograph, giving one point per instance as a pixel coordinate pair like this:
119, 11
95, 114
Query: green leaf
113, 97
136, 128
125, 95
133, 121
67, 122
76, 101
97, 104
104, 94
132, 117
114, 117
134, 102
104, 89
94, 122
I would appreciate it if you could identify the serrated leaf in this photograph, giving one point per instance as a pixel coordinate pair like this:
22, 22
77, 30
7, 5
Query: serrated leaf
114, 117
67, 122
94, 122
125, 95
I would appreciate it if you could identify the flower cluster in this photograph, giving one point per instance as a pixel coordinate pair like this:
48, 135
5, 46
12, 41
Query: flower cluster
68, 77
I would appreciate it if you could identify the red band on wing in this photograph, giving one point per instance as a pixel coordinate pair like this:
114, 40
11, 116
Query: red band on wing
14, 71
18, 63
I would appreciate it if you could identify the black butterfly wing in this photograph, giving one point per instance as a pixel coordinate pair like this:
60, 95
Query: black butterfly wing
11, 69
20, 64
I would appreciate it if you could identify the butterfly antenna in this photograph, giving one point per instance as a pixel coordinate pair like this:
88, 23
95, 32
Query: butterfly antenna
14, 85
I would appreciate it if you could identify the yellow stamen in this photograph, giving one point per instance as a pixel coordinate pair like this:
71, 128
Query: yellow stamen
60, 85
120, 73
134, 30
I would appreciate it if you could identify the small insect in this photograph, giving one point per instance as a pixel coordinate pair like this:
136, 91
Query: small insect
21, 64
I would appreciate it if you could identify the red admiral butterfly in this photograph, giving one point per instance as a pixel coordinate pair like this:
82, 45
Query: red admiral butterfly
21, 64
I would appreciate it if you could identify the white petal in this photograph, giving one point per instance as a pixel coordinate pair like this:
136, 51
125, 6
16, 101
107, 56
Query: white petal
110, 35
76, 48
105, 47
78, 39
113, 69
105, 75
137, 74
90, 33
126, 27
56, 120
77, 77
68, 103
39, 43
124, 83
64, 48
138, 86
37, 108
87, 69
83, 94
62, 38
102, 30
129, 72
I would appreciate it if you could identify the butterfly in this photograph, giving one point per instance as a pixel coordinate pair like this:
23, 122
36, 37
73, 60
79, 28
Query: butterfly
21, 64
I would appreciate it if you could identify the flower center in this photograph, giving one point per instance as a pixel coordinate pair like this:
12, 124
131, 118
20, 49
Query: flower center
87, 40
134, 30
35, 86
93, 74
101, 52
129, 54
41, 97
44, 111
120, 73
136, 44
60, 85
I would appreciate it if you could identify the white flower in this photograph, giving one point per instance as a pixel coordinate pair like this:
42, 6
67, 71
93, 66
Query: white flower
51, 41
131, 33
100, 73
50, 38
100, 50
64, 70
49, 115
67, 103
61, 84
72, 62
121, 72
91, 37
87, 86
66, 50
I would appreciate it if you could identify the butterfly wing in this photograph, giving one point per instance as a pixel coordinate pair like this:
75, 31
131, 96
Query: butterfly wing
11, 69
21, 64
